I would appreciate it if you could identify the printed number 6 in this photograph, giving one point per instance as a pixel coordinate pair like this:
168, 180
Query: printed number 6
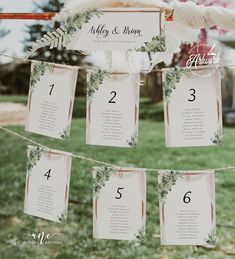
186, 198
193, 95
120, 195
114, 95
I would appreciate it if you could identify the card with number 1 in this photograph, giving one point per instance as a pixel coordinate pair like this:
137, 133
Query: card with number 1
112, 109
47, 183
119, 203
50, 99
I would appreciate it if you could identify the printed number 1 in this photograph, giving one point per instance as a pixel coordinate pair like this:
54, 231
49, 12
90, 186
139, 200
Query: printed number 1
120, 195
52, 86
48, 174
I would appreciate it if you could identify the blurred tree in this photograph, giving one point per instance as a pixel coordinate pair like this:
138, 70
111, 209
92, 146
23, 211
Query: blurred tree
63, 56
3, 32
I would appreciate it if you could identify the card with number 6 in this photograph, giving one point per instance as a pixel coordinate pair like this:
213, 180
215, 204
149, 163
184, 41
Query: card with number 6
50, 99
187, 208
192, 107
47, 183
112, 109
119, 203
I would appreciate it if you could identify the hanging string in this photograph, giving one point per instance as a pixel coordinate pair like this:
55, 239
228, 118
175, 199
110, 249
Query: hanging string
229, 168
87, 68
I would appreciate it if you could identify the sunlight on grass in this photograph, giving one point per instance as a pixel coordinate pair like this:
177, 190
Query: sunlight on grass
77, 234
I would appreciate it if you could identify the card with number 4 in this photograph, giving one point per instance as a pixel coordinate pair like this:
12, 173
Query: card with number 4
47, 183
119, 203
50, 99
187, 208
112, 109
192, 107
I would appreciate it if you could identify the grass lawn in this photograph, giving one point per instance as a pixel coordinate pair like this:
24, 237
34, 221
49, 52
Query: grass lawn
77, 233
148, 109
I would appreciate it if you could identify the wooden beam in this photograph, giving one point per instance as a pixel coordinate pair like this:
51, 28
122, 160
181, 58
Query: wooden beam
49, 16
27, 16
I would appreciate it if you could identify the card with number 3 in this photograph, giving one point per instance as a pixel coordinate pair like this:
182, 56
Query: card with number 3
47, 183
50, 99
192, 107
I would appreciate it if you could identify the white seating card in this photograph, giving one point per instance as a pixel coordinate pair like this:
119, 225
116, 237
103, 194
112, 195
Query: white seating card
118, 29
112, 109
192, 107
119, 203
47, 183
187, 208
50, 99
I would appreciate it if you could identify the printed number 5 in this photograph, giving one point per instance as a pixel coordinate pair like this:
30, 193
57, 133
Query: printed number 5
186, 198
52, 86
48, 174
193, 95
120, 195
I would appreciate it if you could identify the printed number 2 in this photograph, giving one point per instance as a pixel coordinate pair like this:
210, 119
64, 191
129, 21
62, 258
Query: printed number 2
52, 86
48, 174
114, 95
193, 95
120, 195
186, 198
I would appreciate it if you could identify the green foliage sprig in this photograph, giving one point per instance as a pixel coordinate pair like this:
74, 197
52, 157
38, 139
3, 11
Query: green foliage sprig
39, 69
96, 79
75, 23
168, 180
172, 78
211, 239
133, 140
218, 140
102, 176
157, 44
34, 156
62, 218
140, 234
65, 133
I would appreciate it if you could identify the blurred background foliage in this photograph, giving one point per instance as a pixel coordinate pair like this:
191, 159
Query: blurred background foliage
14, 77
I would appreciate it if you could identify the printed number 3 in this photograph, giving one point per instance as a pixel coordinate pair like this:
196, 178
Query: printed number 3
114, 95
52, 86
193, 95
48, 174
120, 195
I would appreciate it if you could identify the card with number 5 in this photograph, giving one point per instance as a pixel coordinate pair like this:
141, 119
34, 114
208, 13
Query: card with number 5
192, 107
112, 109
47, 183
50, 99
187, 208
119, 203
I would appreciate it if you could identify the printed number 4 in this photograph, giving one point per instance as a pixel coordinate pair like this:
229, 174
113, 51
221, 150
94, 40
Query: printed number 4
48, 174
120, 195
114, 95
193, 95
52, 87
